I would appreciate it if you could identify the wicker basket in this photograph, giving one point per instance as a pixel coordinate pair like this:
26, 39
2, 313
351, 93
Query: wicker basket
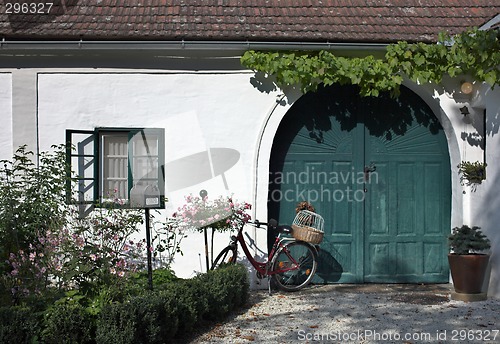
308, 226
308, 234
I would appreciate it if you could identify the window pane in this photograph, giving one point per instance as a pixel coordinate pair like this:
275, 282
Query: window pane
131, 167
145, 158
115, 166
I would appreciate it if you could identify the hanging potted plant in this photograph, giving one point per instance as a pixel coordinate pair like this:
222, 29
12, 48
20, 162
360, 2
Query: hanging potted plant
472, 173
467, 263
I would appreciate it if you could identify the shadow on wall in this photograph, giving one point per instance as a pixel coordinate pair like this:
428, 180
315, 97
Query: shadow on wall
490, 219
493, 124
349, 108
39, 12
200, 167
329, 268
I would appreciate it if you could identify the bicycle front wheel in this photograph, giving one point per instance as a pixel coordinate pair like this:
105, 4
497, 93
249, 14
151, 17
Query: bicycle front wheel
226, 256
294, 266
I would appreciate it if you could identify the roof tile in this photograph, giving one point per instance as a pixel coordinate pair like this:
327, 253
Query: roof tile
286, 20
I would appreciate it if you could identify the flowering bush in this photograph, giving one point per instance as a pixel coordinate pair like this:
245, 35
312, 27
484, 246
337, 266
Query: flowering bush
32, 199
220, 214
99, 247
32, 267
92, 252
45, 244
166, 241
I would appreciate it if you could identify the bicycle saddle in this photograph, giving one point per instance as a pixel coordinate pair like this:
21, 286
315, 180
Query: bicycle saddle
284, 229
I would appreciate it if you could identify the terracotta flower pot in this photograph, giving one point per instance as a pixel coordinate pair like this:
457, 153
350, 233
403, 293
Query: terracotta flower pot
468, 271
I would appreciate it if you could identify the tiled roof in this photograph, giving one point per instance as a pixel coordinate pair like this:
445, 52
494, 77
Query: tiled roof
253, 20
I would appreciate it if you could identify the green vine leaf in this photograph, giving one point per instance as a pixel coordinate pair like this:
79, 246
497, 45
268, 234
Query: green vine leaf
474, 52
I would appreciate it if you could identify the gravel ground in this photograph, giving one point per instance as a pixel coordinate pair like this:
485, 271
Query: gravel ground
360, 314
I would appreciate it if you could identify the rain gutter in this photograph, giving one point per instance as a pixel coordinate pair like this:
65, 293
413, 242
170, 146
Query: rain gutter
235, 46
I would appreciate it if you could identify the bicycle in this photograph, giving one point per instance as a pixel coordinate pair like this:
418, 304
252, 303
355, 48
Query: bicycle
291, 264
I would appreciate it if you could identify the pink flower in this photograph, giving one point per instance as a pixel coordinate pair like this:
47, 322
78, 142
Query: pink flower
79, 241
14, 272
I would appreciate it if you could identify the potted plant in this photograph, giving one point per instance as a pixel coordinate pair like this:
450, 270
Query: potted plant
472, 173
467, 264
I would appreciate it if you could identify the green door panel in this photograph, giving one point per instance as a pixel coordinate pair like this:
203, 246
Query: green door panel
387, 225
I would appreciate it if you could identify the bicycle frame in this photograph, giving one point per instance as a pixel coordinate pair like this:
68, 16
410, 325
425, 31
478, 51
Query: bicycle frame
264, 268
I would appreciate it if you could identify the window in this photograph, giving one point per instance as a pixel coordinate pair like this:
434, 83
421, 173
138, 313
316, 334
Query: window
119, 165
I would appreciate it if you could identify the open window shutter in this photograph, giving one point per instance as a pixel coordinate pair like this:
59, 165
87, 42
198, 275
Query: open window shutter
82, 181
146, 166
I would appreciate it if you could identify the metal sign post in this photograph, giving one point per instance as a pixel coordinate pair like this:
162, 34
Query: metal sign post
203, 195
148, 247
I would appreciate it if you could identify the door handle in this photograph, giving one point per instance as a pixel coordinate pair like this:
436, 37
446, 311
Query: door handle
368, 170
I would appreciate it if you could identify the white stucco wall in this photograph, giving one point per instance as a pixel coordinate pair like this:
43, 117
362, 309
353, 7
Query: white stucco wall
197, 110
6, 115
484, 203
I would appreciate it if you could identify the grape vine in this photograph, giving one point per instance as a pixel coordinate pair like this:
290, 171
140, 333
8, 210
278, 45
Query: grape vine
475, 53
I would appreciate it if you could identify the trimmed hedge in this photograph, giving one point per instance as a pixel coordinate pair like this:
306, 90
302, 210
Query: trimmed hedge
68, 324
143, 319
19, 325
158, 316
225, 290
176, 309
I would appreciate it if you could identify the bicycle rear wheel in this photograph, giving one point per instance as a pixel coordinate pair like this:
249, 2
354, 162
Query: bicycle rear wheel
226, 256
295, 252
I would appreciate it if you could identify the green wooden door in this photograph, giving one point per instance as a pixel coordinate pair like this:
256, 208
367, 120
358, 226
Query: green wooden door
378, 171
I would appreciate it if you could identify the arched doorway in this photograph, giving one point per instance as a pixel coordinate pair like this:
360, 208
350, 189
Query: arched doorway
378, 170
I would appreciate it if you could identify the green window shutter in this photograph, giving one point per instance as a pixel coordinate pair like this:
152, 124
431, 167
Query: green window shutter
82, 181
146, 168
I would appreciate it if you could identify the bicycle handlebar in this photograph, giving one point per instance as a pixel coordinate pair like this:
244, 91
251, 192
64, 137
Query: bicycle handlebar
272, 223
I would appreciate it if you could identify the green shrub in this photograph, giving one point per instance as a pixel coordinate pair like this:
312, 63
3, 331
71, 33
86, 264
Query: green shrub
226, 289
142, 319
175, 308
163, 276
68, 323
19, 325
188, 302
137, 282
158, 316
116, 324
